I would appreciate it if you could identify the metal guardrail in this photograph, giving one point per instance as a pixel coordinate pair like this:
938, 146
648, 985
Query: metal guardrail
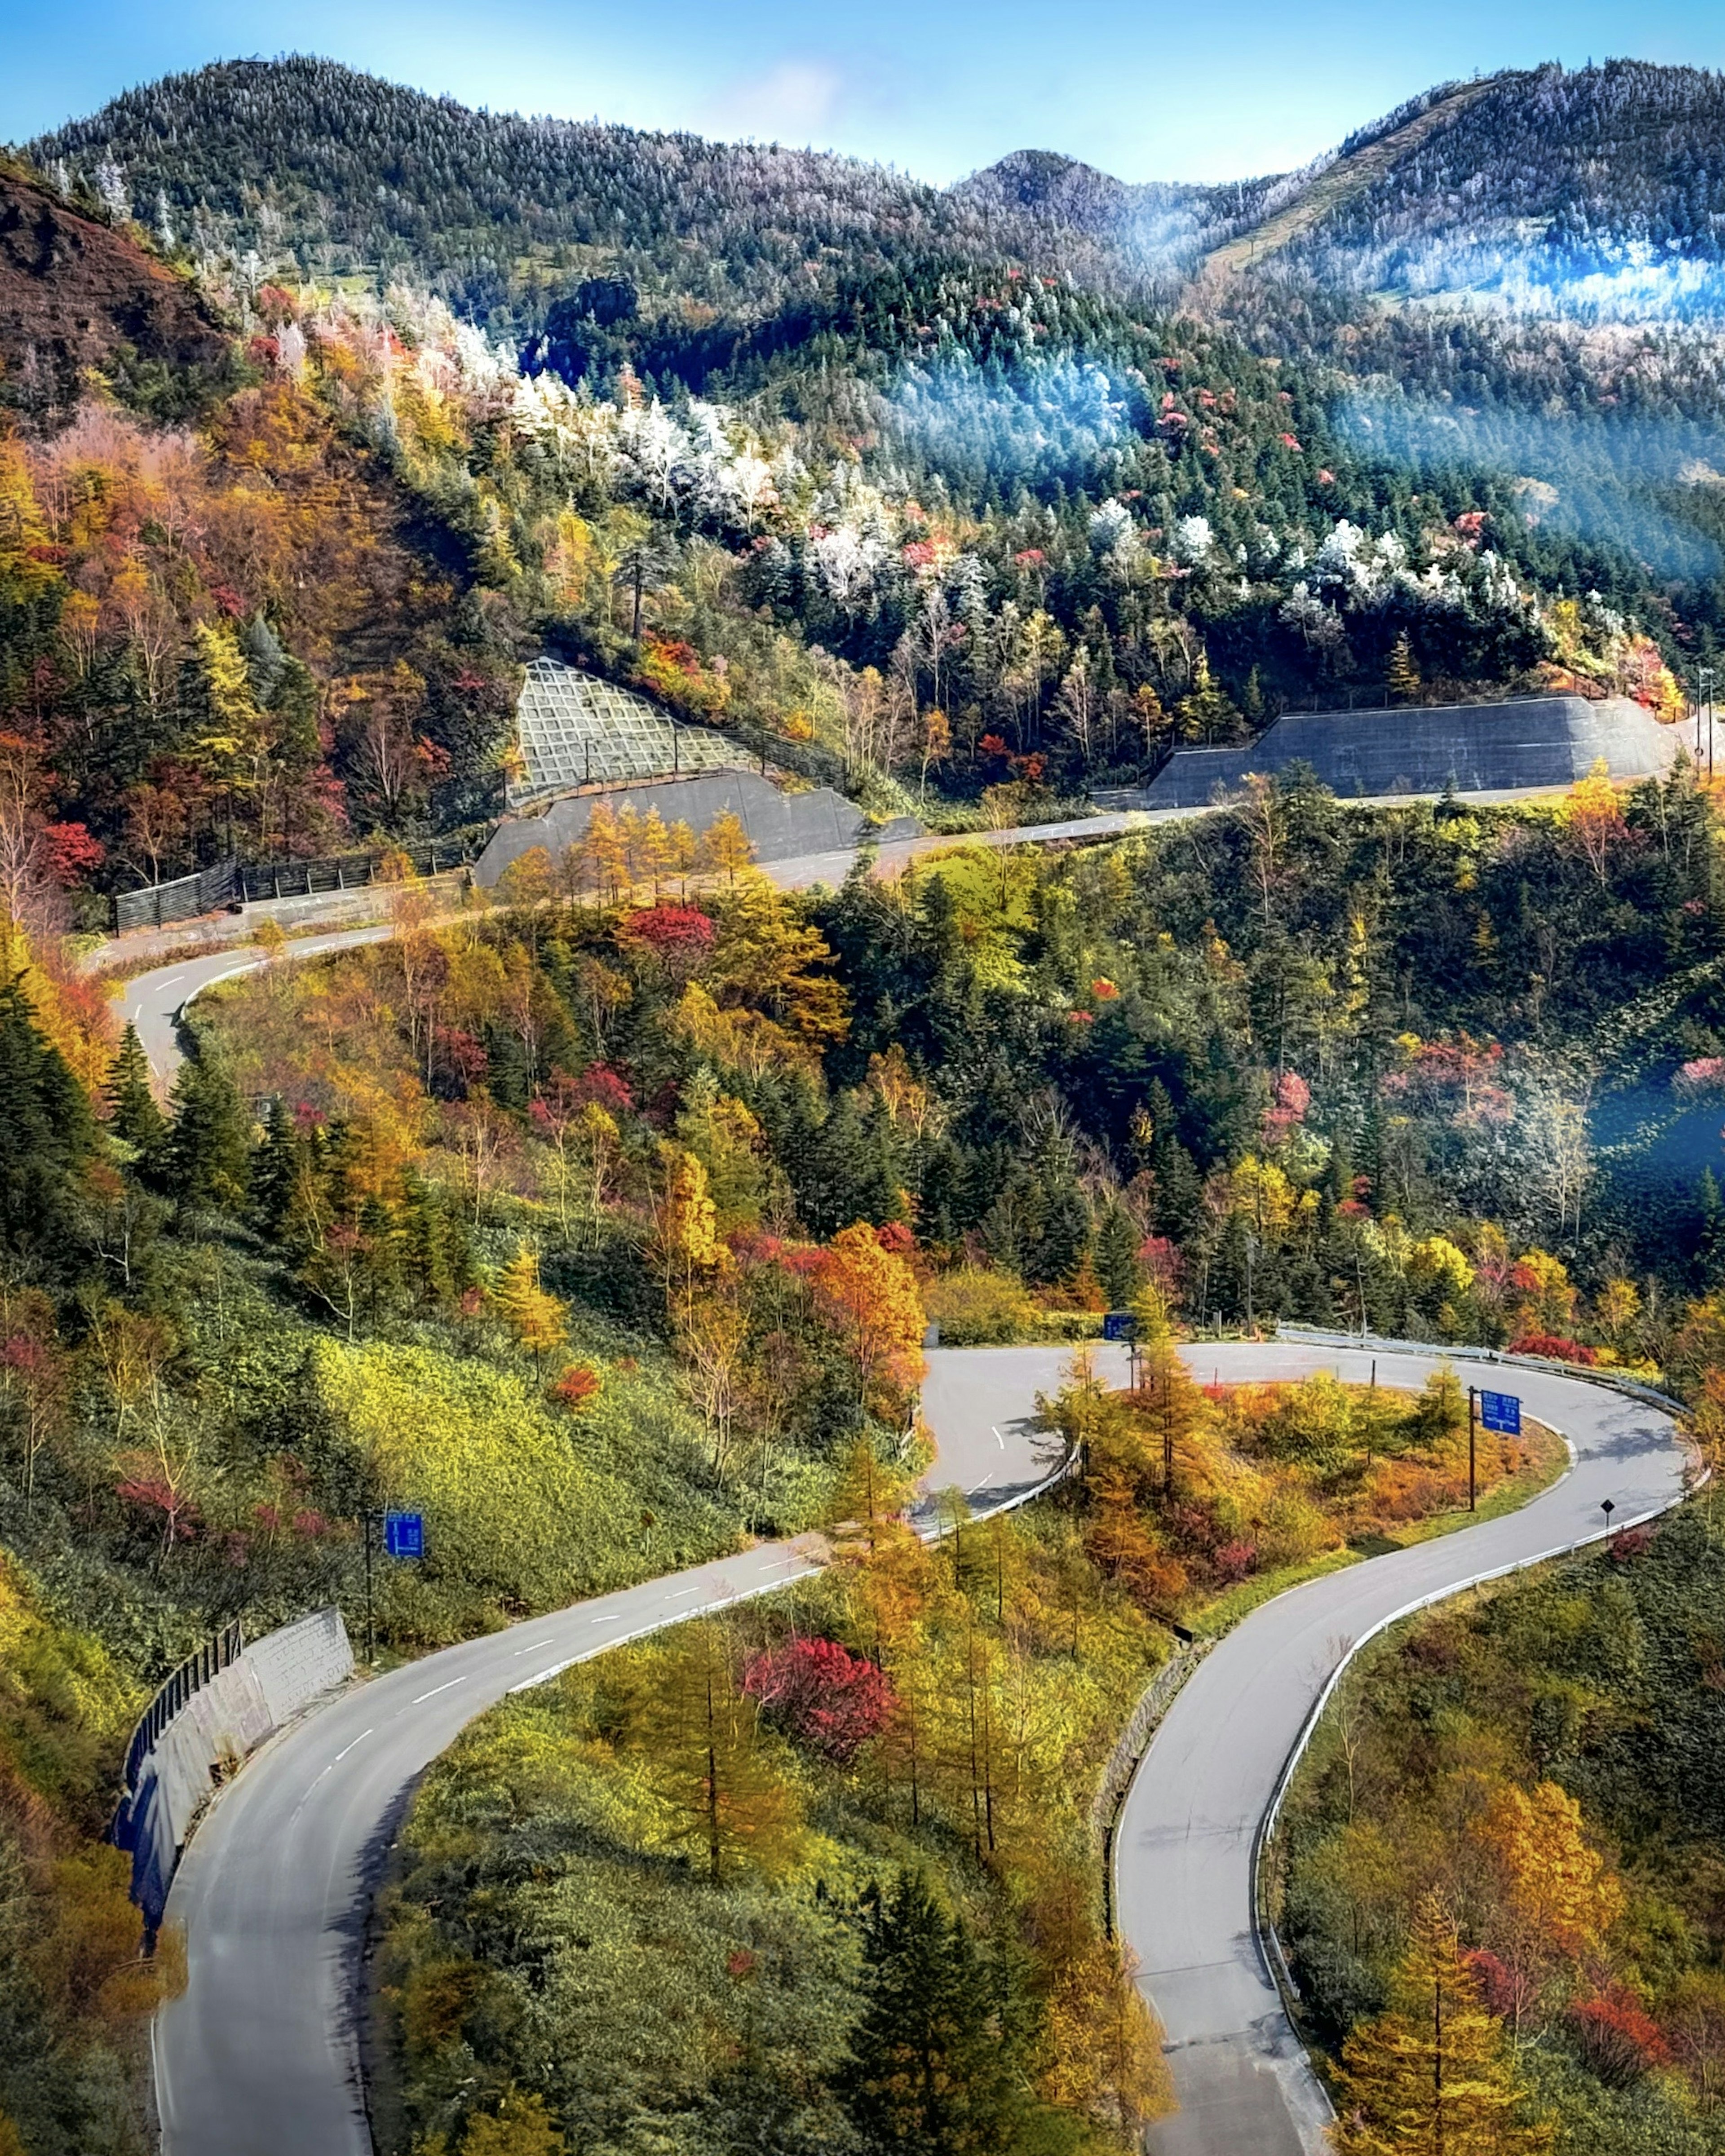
1265, 1936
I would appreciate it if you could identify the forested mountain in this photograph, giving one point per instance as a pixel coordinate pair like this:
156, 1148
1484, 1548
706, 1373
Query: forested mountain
902, 511
346, 174
1599, 193
602, 1223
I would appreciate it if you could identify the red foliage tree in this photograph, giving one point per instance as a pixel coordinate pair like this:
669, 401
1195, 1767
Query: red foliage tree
681, 937
821, 1694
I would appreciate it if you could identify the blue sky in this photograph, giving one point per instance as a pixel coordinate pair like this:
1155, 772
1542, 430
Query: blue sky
1202, 92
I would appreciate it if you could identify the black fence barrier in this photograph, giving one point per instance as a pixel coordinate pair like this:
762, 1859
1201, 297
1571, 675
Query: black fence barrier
231, 883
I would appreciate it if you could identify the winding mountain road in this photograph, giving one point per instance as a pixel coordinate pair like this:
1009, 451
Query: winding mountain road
260, 2056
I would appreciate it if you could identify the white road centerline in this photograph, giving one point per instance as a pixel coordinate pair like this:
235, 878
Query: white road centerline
347, 1748
420, 1699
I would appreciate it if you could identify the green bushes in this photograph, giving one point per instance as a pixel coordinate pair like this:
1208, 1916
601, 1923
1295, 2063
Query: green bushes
525, 1509
976, 1308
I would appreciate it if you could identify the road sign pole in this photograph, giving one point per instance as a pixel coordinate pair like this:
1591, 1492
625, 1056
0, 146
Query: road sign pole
370, 1630
1473, 1399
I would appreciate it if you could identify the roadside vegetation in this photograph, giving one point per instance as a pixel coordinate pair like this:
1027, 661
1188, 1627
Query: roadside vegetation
826, 1874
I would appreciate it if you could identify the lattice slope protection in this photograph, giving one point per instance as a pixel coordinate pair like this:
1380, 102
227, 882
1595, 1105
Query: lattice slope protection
574, 728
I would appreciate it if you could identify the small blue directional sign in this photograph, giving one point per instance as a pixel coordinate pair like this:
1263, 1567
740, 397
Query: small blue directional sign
1501, 1411
1118, 1325
404, 1534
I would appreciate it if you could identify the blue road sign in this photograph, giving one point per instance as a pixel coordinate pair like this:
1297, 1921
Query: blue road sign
1501, 1411
1118, 1325
404, 1534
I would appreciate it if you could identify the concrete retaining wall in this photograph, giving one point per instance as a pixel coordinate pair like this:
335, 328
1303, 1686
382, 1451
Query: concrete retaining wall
782, 826
1479, 748
229, 1714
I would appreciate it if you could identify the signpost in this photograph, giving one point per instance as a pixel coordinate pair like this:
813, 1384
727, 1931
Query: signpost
1498, 1411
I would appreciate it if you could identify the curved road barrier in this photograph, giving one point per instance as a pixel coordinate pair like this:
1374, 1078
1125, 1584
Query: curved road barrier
260, 2056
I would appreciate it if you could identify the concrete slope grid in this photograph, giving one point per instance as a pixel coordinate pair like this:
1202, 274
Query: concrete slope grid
260, 2057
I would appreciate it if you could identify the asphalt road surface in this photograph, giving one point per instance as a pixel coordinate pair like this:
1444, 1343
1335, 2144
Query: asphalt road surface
153, 1002
261, 2056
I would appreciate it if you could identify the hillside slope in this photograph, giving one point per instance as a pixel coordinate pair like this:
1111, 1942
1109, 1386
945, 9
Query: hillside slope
75, 295
1600, 191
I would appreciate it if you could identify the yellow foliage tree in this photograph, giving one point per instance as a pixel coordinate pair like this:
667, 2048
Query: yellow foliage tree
870, 1297
1561, 1893
520, 2125
532, 1313
768, 958
685, 1238
1432, 2077
701, 1734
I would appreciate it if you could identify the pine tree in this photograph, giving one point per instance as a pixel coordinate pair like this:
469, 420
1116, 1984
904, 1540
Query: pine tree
132, 1111
1116, 1257
1432, 2077
208, 1147
277, 1169
939, 2057
1402, 674
47, 1136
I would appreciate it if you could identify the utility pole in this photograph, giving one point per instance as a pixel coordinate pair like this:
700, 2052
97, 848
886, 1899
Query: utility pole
371, 1627
1251, 1252
1473, 1405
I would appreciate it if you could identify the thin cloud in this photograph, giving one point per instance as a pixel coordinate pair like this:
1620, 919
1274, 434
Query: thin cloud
792, 100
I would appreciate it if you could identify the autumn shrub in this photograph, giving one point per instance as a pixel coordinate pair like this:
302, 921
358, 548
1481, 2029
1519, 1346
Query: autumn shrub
1618, 2039
975, 1308
1556, 1347
826, 1697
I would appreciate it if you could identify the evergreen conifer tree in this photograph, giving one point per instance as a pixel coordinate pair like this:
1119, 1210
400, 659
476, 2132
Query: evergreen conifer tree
1116, 1257
208, 1147
133, 1114
47, 1136
1402, 674
276, 1168
939, 2057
